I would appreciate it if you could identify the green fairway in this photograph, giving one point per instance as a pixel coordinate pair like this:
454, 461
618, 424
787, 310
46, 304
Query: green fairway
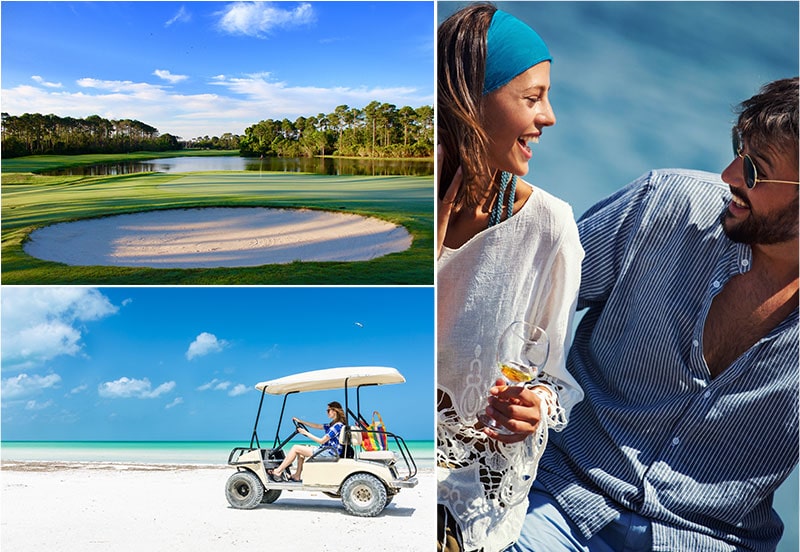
33, 201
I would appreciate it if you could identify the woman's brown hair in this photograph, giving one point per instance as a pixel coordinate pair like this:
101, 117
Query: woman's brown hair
338, 412
461, 70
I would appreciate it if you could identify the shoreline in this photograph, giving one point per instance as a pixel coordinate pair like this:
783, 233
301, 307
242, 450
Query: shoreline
38, 466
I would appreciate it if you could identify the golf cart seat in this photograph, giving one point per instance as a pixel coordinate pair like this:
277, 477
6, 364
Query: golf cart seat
346, 452
319, 457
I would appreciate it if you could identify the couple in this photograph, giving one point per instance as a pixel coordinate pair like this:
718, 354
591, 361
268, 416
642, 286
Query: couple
681, 385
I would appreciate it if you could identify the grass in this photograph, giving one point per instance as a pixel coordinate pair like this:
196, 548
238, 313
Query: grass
32, 201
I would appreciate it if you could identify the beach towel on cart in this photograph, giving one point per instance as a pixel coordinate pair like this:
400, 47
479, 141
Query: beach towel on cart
374, 436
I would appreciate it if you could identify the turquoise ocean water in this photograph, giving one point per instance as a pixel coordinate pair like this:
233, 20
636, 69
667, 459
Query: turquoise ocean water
156, 452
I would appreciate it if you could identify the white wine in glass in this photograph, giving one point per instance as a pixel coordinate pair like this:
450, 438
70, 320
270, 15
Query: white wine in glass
521, 351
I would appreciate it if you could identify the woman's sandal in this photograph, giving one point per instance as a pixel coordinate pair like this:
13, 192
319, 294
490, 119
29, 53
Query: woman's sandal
276, 478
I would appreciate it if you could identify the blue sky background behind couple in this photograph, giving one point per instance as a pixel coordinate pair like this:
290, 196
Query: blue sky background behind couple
206, 68
644, 85
171, 364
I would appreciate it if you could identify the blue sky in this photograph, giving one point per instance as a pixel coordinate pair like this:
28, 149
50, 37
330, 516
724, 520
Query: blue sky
644, 85
181, 363
197, 68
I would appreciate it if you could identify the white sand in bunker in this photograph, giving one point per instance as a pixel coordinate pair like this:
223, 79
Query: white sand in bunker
217, 237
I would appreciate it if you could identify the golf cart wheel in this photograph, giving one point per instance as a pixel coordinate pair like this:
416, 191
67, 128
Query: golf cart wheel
244, 490
270, 496
363, 495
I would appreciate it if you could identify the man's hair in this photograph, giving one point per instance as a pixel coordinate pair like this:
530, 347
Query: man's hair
461, 72
769, 120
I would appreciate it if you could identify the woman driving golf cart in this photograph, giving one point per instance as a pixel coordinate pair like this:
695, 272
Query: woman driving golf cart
329, 444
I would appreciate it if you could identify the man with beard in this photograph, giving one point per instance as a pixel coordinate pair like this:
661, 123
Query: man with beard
688, 356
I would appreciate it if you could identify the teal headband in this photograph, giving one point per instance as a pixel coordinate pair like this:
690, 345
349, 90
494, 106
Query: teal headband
511, 49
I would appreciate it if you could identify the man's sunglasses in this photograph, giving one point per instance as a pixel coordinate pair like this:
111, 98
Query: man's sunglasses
748, 167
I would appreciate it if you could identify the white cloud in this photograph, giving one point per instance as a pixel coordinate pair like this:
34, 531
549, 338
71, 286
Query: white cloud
215, 385
176, 402
182, 16
140, 89
35, 405
40, 80
238, 389
205, 344
39, 324
79, 389
271, 352
126, 388
218, 385
167, 76
242, 101
24, 385
259, 18
279, 97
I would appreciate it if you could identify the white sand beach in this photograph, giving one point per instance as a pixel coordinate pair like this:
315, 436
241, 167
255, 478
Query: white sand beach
72, 507
217, 237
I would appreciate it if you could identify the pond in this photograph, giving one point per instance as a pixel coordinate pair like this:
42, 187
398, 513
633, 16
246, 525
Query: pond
315, 165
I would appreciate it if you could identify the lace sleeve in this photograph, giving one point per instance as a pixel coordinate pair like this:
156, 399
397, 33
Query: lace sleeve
548, 388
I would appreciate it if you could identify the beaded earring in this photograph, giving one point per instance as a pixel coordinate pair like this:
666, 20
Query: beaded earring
497, 208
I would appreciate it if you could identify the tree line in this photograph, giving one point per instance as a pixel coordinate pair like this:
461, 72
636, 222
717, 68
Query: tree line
377, 130
36, 134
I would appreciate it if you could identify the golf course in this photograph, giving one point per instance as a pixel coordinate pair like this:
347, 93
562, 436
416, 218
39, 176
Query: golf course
31, 202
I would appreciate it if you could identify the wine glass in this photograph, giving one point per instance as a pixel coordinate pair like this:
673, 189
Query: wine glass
521, 350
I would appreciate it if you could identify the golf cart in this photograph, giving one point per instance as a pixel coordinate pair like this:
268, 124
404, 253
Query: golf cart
366, 481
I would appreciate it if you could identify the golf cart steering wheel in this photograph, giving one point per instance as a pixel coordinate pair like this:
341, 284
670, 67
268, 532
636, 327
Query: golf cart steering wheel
299, 425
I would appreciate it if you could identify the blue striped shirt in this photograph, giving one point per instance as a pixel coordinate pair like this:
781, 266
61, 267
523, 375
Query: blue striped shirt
655, 434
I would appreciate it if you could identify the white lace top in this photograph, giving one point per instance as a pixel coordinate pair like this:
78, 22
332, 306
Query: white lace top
525, 268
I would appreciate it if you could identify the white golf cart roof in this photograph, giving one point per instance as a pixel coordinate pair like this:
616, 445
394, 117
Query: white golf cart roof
331, 378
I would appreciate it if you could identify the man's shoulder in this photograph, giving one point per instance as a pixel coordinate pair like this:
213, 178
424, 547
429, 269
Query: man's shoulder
682, 201
684, 183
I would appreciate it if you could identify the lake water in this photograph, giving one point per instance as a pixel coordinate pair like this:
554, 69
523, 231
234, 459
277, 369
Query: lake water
314, 165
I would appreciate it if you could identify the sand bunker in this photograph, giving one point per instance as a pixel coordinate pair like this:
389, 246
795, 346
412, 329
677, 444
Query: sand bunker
217, 237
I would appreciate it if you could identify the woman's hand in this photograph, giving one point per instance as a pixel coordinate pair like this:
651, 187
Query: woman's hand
446, 203
304, 432
516, 408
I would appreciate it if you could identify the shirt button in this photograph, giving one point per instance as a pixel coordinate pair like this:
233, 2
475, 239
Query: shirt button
695, 343
707, 394
715, 284
676, 442
745, 262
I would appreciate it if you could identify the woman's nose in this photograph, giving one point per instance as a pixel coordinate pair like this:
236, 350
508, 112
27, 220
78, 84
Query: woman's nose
546, 117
